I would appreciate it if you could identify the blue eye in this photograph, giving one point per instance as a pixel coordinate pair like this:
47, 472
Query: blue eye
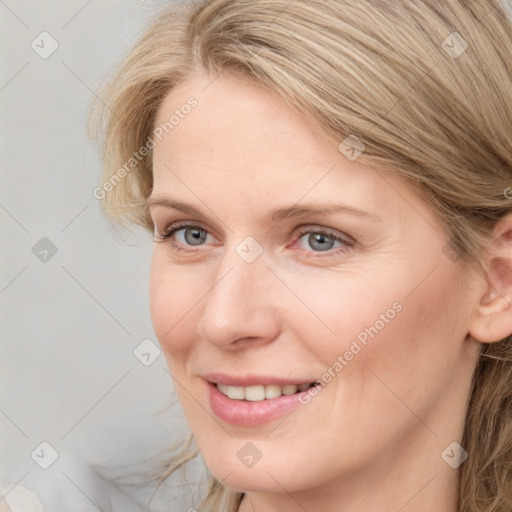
184, 236
322, 241
193, 235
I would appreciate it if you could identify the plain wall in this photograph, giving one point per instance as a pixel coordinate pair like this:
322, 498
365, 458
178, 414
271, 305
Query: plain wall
70, 321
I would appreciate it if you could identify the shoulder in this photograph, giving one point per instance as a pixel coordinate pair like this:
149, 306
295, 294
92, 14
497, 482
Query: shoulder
15, 498
70, 484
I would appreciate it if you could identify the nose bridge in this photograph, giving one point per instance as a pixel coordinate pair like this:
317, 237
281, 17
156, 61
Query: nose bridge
239, 304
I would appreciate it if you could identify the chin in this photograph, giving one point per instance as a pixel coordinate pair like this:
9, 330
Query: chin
243, 466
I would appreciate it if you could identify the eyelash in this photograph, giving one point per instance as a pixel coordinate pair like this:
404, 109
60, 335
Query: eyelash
177, 226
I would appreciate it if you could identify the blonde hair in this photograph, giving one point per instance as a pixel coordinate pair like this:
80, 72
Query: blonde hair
424, 85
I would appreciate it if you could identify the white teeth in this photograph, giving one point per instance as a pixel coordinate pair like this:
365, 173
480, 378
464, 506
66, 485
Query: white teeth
235, 392
254, 393
272, 391
258, 393
289, 389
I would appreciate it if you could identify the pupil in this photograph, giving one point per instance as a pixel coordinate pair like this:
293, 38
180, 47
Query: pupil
198, 236
318, 241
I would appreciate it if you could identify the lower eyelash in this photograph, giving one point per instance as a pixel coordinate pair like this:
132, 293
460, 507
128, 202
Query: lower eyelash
169, 232
343, 248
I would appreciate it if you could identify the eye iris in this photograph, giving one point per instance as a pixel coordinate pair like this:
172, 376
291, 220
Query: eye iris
197, 237
318, 241
319, 238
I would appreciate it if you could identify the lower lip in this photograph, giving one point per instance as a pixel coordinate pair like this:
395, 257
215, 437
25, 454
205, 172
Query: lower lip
246, 413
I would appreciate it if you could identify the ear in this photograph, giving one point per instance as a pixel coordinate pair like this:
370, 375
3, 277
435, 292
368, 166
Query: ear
492, 318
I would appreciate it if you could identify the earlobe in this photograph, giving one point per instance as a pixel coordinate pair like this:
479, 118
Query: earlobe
492, 319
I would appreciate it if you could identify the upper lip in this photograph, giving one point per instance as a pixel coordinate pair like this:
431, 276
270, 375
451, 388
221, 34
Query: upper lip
252, 380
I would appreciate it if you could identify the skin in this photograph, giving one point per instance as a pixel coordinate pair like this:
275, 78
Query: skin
372, 438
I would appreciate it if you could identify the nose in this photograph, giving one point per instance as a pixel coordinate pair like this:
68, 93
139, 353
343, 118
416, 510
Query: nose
241, 305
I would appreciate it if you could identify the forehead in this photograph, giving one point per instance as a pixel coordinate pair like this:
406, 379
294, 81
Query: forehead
240, 139
236, 121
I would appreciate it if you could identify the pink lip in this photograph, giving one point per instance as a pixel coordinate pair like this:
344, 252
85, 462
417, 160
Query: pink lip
245, 413
251, 380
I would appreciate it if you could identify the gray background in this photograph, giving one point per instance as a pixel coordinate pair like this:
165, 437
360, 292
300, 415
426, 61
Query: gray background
70, 321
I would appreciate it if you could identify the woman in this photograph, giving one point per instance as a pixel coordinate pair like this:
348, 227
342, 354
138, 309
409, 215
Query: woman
373, 372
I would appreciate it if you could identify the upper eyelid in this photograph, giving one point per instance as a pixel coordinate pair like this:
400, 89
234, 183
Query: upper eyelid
175, 226
300, 230
329, 231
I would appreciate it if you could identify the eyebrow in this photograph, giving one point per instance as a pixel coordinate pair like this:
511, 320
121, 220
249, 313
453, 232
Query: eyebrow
275, 215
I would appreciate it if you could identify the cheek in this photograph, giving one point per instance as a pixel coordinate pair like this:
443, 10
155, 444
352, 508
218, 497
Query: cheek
413, 358
174, 294
340, 312
359, 326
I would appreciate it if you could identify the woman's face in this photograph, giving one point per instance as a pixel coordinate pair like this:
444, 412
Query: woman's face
300, 264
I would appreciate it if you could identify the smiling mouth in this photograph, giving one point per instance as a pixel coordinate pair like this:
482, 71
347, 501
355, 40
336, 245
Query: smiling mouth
260, 392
